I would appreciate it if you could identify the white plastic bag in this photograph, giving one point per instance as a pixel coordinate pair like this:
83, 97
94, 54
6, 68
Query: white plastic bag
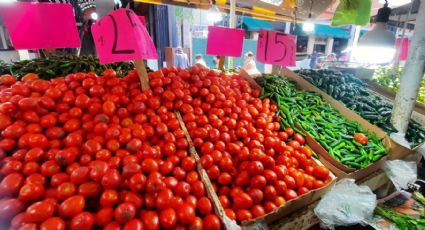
401, 172
346, 204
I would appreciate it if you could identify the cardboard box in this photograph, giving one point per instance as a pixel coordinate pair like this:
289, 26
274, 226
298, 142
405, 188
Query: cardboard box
284, 210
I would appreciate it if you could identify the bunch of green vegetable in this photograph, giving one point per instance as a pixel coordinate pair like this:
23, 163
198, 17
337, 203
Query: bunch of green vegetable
402, 221
4, 67
356, 96
390, 78
323, 122
62, 65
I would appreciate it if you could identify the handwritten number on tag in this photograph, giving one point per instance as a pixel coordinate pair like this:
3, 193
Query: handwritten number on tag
114, 47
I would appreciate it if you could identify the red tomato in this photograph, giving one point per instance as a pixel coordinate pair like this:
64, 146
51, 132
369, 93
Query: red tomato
257, 211
125, 212
204, 206
39, 211
72, 206
243, 214
320, 172
133, 224
65, 190
211, 222
168, 218
150, 220
361, 138
53, 223
299, 138
104, 216
31, 192
11, 184
108, 198
186, 214
82, 221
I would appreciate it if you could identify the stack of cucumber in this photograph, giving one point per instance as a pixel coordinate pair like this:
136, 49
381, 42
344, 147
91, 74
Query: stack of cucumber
355, 95
323, 122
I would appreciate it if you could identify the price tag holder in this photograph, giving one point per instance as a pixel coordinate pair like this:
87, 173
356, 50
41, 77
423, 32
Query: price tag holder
33, 25
223, 41
276, 48
120, 36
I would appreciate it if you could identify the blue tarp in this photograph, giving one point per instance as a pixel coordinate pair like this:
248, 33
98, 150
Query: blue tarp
252, 24
322, 31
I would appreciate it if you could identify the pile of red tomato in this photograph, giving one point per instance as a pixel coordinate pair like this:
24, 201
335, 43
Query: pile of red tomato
86, 151
253, 165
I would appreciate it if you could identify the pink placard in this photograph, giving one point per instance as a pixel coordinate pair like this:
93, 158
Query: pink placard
120, 36
404, 47
40, 25
224, 41
276, 48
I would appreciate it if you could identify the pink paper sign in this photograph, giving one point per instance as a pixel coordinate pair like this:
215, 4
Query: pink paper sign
276, 48
120, 36
224, 41
34, 25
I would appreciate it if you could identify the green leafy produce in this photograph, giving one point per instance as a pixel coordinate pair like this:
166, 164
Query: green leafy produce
62, 65
4, 67
390, 78
402, 221
356, 96
323, 122
419, 197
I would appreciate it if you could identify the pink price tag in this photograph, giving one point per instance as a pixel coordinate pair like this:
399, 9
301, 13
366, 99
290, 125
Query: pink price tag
120, 36
224, 41
276, 48
34, 25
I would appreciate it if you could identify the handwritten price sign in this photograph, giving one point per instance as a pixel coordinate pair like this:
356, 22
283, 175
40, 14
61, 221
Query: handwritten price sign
34, 25
120, 36
276, 48
223, 41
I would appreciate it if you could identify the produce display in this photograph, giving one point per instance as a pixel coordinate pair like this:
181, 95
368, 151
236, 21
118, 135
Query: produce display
345, 140
254, 165
4, 67
83, 152
390, 78
403, 219
355, 95
60, 66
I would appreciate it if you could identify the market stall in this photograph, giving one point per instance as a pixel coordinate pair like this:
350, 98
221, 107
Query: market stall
106, 143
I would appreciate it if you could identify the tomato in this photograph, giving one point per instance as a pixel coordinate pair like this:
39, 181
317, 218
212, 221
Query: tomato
186, 214
89, 189
137, 182
31, 192
9, 208
72, 206
211, 222
124, 212
133, 224
53, 223
258, 182
108, 198
299, 138
104, 216
39, 211
270, 192
65, 190
111, 179
11, 184
204, 206
80, 175
257, 211
318, 184
361, 138
290, 194
269, 206
163, 199
243, 214
320, 172
150, 220
167, 218
289, 181
289, 131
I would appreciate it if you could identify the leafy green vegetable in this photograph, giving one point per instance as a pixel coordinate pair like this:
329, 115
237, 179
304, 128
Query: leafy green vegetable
403, 221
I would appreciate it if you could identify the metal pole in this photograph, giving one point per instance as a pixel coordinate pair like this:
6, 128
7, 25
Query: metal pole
232, 24
412, 76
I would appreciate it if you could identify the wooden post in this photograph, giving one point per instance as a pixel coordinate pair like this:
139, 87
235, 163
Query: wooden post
221, 63
143, 74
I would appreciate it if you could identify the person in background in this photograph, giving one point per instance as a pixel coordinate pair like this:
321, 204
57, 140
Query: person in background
216, 61
200, 60
180, 59
249, 64
313, 60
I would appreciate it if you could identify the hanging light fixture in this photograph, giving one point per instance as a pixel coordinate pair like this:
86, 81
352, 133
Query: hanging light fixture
214, 15
378, 45
308, 25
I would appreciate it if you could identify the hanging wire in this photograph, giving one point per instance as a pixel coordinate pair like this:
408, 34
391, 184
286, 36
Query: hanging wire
311, 7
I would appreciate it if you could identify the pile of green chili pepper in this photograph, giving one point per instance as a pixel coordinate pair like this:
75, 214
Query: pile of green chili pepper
322, 121
59, 66
356, 96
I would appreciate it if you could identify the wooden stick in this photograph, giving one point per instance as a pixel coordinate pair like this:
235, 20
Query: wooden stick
221, 63
143, 74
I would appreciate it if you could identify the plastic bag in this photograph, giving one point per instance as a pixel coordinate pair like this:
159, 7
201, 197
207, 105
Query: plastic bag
350, 12
401, 172
346, 204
